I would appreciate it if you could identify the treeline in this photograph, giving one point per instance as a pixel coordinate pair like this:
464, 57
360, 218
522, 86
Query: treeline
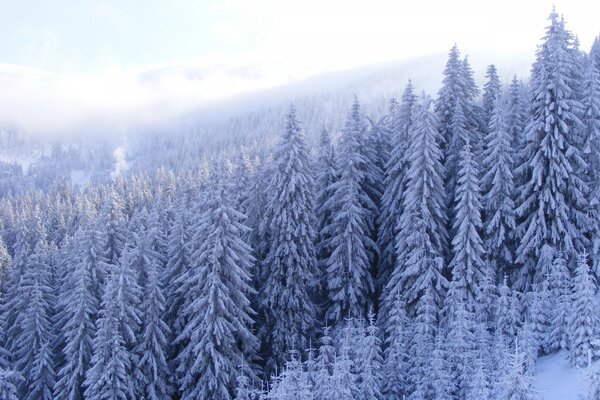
432, 254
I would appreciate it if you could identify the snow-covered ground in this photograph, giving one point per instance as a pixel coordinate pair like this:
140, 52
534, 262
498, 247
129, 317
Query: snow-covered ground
557, 380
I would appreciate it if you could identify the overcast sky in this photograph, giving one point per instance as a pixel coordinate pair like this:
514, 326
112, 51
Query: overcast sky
88, 53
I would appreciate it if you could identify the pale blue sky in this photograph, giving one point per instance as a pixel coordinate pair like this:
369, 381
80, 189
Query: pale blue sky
89, 36
64, 62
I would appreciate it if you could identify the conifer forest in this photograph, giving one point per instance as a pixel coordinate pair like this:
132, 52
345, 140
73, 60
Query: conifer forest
433, 251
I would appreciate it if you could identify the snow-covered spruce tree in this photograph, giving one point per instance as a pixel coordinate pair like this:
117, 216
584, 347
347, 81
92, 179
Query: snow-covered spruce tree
290, 268
492, 90
325, 178
396, 352
460, 345
517, 384
343, 380
423, 236
8, 385
559, 284
539, 314
179, 254
553, 198
457, 116
325, 362
529, 345
595, 52
584, 321
498, 191
111, 375
80, 305
292, 383
29, 235
401, 119
423, 330
33, 353
217, 336
350, 284
5, 261
152, 373
439, 374
243, 389
591, 125
479, 387
593, 378
516, 114
508, 315
113, 218
369, 363
468, 268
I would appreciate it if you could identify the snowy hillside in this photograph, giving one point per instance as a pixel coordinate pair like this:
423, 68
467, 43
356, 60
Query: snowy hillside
555, 379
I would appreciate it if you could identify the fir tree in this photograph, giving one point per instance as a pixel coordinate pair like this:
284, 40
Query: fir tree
291, 264
423, 236
552, 199
559, 282
32, 346
401, 120
111, 373
396, 352
591, 125
498, 191
153, 378
369, 363
491, 92
517, 384
584, 323
80, 306
468, 269
326, 177
350, 284
424, 330
217, 335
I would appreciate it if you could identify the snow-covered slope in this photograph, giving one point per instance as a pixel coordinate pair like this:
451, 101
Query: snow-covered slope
557, 380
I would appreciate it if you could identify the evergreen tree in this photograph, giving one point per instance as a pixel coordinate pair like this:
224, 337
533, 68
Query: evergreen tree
396, 353
491, 92
80, 305
350, 284
539, 315
153, 372
401, 121
423, 236
441, 376
111, 374
516, 114
584, 323
467, 265
217, 335
369, 363
508, 316
479, 388
559, 282
424, 330
8, 386
343, 379
326, 177
553, 198
517, 384
591, 125
460, 346
33, 353
498, 190
291, 265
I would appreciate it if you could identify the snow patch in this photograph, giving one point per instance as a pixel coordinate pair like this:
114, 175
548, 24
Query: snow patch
555, 379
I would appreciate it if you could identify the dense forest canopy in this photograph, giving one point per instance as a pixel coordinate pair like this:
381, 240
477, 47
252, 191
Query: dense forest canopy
433, 252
